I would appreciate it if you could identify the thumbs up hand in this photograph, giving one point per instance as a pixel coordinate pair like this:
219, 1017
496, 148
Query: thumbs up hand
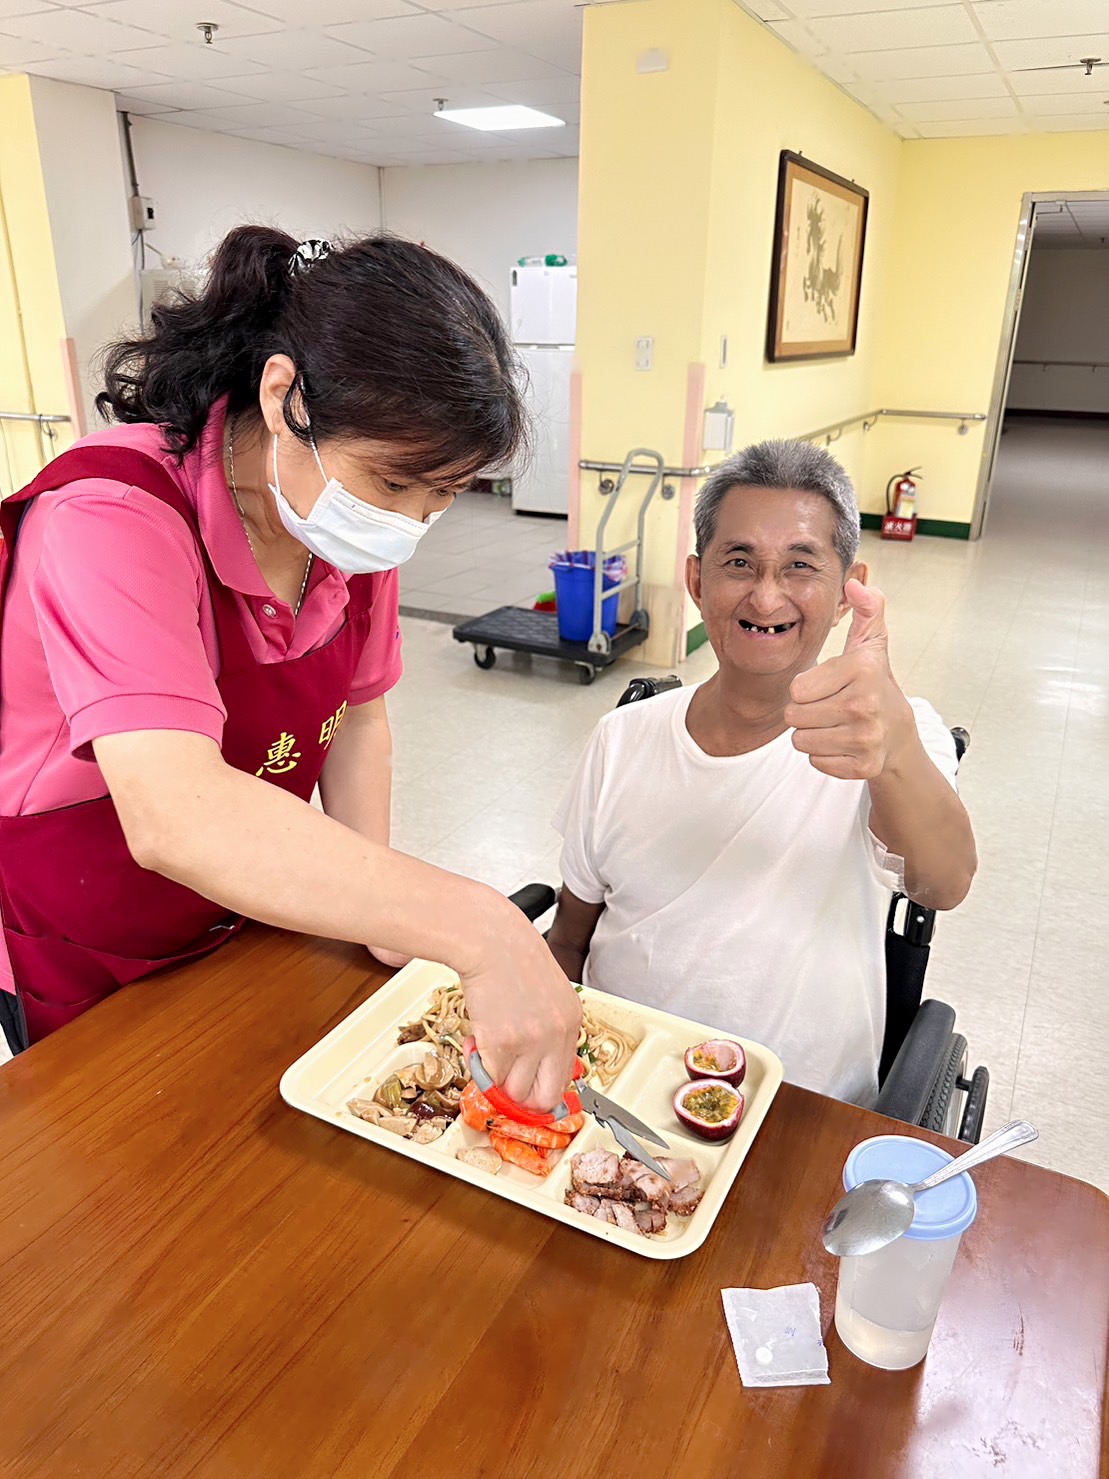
848, 714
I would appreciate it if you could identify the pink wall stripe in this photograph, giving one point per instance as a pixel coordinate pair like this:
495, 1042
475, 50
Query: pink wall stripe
575, 458
691, 456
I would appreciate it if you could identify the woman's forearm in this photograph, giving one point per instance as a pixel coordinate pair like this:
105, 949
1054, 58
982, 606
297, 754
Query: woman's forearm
259, 851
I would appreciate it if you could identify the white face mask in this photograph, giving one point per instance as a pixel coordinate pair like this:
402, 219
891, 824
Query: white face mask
355, 537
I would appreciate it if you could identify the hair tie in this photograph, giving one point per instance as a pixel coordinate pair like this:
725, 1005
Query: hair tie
312, 250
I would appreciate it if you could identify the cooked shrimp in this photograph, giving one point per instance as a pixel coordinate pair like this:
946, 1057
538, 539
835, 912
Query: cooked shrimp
548, 1136
475, 1108
519, 1153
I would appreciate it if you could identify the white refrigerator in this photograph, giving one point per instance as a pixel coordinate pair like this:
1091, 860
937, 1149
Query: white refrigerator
544, 311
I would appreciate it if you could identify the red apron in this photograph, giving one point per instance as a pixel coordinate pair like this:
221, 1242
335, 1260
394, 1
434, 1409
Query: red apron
80, 917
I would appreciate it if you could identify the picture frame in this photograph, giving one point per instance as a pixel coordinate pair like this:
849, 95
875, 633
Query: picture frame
817, 268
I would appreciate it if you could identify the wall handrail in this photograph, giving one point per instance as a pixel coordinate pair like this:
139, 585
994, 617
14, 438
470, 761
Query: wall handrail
868, 419
667, 472
39, 417
830, 434
1065, 364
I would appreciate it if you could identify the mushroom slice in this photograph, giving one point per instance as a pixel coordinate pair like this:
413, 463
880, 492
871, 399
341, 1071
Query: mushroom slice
434, 1072
481, 1157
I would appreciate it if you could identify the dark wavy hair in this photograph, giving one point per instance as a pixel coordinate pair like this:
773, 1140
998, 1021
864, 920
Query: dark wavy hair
392, 342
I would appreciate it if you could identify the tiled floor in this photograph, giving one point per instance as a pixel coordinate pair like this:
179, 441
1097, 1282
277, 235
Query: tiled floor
479, 557
1008, 636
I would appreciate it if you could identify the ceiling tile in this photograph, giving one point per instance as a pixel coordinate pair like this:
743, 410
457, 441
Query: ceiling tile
804, 9
79, 30
96, 72
332, 12
764, 10
189, 95
968, 108
352, 105
539, 27
543, 92
417, 35
802, 38
453, 6
372, 77
483, 68
24, 7
15, 52
281, 87
1016, 20
188, 62
965, 129
1064, 103
287, 50
1072, 123
929, 89
141, 107
422, 101
922, 61
1053, 52
1065, 80
172, 18
937, 25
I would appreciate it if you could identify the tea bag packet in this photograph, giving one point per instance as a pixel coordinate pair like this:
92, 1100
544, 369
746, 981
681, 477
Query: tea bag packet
776, 1336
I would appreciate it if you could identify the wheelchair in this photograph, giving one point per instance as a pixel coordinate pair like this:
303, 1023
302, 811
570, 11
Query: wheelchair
922, 1073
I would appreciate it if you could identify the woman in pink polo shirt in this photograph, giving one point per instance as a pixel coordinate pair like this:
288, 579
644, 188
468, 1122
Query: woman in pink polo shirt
200, 623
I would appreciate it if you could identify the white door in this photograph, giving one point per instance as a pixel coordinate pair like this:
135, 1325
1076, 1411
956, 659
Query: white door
542, 484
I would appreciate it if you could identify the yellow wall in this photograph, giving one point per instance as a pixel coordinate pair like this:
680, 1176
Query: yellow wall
679, 175
31, 320
941, 309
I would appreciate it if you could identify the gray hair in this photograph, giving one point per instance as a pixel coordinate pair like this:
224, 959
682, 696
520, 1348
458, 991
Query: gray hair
789, 466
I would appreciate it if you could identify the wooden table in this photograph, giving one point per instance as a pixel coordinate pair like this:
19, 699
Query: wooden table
201, 1281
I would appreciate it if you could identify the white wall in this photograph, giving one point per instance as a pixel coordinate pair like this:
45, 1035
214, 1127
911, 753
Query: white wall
87, 204
204, 184
485, 216
1065, 316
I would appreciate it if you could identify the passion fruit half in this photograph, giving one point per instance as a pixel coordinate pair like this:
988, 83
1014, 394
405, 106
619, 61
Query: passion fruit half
717, 1059
709, 1107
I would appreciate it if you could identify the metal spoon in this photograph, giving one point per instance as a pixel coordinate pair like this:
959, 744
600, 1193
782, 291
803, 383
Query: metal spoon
874, 1213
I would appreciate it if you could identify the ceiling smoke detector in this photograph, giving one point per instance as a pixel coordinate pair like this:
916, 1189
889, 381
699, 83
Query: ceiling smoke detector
208, 29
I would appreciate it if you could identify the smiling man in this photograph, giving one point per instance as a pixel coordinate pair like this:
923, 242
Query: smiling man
730, 849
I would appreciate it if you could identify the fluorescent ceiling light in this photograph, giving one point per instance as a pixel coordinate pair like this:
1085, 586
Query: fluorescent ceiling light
510, 116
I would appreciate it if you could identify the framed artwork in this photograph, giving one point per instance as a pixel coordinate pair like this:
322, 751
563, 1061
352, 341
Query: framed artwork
819, 234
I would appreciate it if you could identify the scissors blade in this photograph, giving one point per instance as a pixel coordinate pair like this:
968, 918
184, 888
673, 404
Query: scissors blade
609, 1112
625, 1138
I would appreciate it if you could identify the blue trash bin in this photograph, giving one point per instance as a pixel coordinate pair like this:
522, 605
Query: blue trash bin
574, 595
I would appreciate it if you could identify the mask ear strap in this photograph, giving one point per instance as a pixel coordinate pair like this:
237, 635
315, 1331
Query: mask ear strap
316, 455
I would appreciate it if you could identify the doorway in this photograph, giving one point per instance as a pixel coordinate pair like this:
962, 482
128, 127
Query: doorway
1053, 362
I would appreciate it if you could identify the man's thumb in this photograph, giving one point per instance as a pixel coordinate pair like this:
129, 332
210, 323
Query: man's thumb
868, 618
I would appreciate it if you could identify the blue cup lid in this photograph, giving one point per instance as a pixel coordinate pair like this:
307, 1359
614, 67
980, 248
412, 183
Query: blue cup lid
943, 1211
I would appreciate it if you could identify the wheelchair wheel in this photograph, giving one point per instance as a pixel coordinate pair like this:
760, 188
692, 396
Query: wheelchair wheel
486, 659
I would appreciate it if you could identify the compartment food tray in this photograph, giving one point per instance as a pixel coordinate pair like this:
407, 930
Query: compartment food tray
362, 1050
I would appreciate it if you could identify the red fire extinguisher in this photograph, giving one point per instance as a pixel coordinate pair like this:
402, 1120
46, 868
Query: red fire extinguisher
900, 516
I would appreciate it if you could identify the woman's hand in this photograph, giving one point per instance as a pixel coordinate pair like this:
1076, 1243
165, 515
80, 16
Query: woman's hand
525, 1014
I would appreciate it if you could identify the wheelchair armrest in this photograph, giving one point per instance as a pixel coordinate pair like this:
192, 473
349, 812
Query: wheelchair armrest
534, 899
908, 1084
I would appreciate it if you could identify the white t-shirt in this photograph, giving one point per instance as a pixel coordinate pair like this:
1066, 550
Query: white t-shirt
745, 892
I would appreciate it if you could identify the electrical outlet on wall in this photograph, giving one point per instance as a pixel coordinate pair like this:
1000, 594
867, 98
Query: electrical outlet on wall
644, 353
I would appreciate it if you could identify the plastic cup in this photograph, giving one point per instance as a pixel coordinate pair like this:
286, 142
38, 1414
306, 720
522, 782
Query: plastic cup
887, 1302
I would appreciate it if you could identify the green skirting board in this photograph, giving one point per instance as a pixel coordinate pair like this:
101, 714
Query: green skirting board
938, 528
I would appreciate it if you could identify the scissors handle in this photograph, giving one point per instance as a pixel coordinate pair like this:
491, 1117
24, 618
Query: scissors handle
500, 1101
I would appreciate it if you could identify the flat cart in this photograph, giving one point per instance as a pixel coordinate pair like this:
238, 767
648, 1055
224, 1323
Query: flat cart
516, 629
